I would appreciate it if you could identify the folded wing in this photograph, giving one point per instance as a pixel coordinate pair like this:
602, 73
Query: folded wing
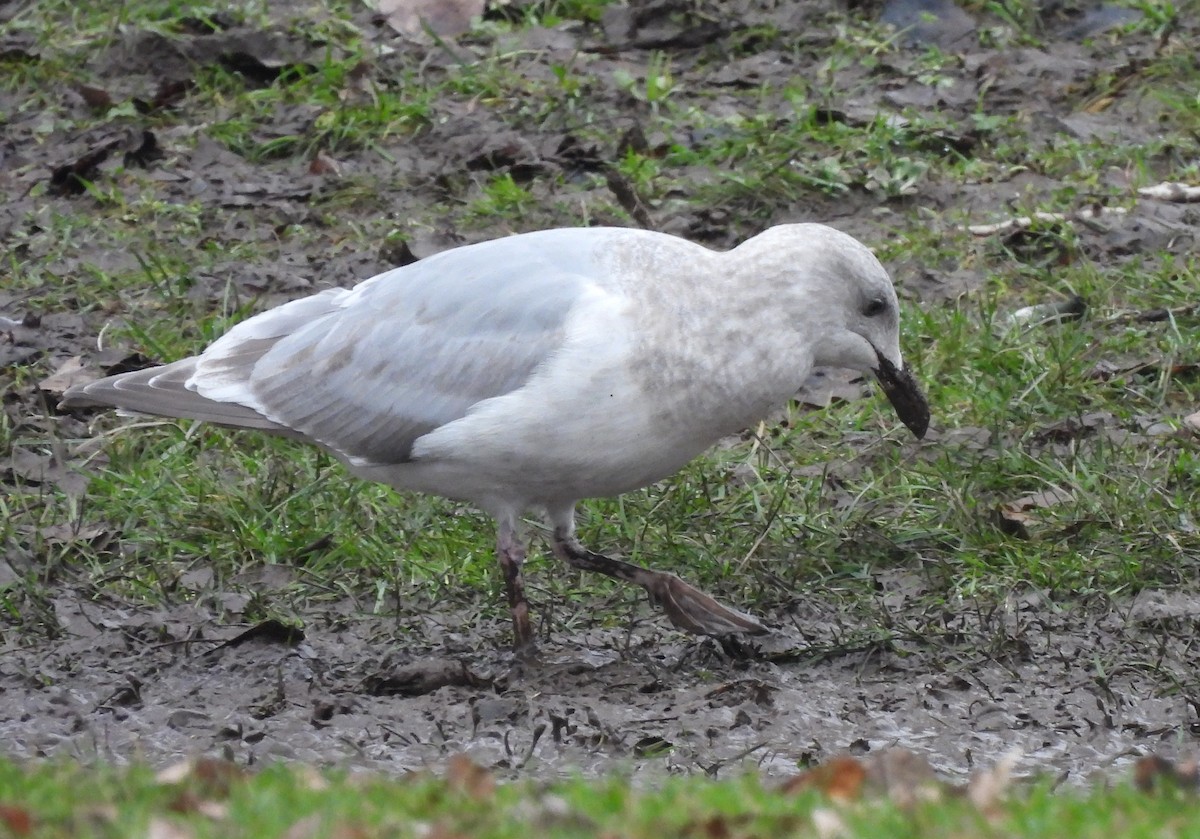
367, 371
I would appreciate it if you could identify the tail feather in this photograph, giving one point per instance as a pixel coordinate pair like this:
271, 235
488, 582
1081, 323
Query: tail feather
163, 391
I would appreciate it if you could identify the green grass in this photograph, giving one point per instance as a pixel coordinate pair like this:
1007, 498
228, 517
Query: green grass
219, 800
821, 502
234, 501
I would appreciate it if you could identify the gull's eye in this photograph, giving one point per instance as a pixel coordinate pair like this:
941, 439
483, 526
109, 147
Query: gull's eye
876, 307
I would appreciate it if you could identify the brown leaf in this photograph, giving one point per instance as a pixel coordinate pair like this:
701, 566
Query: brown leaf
208, 777
96, 98
841, 779
1192, 421
187, 802
1154, 773
444, 18
469, 778
16, 821
323, 164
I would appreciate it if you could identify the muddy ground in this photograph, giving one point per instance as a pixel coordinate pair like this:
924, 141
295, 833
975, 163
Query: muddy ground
94, 678
960, 687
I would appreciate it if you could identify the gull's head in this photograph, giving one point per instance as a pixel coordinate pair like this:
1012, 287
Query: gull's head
844, 295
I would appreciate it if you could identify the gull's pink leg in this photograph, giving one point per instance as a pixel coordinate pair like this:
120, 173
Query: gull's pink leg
511, 554
688, 608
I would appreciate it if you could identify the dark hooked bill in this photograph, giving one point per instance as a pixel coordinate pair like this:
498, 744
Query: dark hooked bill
905, 395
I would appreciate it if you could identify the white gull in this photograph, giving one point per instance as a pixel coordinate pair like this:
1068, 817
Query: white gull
529, 372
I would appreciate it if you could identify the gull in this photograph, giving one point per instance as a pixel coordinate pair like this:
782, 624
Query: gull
529, 372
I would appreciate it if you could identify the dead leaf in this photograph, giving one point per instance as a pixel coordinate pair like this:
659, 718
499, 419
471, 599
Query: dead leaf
142, 152
987, 788
623, 190
1044, 498
1047, 313
1154, 773
71, 372
209, 777
323, 164
1171, 191
905, 777
1025, 222
96, 98
160, 828
72, 178
1013, 517
1105, 370
841, 779
170, 92
444, 18
828, 823
270, 631
67, 533
469, 778
17, 821
187, 802
37, 469
1192, 421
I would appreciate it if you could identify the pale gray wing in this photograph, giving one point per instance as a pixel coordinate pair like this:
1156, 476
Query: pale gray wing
409, 350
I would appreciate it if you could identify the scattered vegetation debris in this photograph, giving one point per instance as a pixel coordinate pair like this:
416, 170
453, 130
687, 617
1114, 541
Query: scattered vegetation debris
841, 779
652, 746
904, 778
396, 251
628, 198
1093, 213
421, 677
96, 98
1042, 314
206, 776
940, 23
1155, 773
467, 777
270, 631
145, 152
73, 178
1014, 517
169, 93
1171, 191
323, 164
415, 18
1106, 370
19, 47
